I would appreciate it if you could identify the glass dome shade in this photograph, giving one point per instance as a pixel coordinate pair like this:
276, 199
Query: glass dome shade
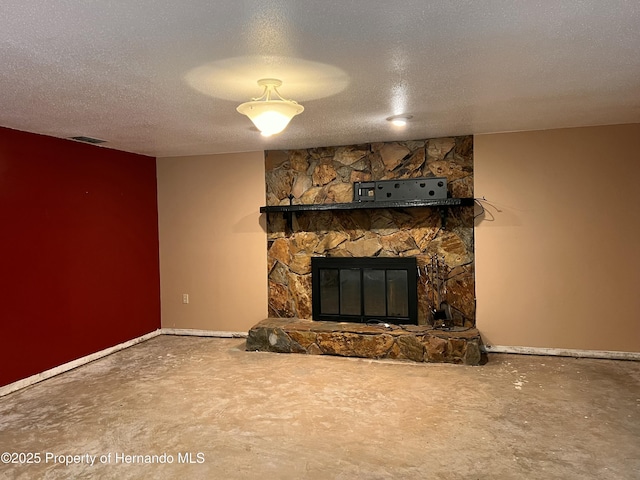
270, 116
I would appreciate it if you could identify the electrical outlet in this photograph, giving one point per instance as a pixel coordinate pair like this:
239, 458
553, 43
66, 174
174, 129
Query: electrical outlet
185, 298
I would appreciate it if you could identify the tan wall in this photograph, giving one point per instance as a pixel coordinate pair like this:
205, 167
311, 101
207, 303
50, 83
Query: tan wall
557, 254
212, 241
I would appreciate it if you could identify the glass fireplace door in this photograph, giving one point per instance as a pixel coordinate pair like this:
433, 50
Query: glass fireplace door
364, 289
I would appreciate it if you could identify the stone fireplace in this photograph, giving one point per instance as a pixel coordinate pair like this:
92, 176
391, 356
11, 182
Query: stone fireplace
325, 176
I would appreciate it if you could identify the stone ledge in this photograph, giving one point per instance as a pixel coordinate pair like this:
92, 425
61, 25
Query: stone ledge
407, 342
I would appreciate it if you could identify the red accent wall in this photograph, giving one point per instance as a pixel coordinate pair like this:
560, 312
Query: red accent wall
79, 269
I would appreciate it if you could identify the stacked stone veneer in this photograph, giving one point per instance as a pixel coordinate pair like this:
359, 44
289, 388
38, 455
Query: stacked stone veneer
326, 175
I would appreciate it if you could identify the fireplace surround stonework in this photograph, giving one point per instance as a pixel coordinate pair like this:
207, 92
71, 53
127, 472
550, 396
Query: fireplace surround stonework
326, 176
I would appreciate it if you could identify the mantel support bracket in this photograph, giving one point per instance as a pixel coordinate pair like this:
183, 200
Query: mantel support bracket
288, 218
443, 217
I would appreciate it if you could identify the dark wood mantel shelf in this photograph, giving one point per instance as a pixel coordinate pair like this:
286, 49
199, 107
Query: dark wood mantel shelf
319, 207
442, 205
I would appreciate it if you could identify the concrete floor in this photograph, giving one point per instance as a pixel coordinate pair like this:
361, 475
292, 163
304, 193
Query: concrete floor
248, 415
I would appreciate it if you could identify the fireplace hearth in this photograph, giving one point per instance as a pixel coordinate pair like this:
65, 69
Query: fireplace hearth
417, 343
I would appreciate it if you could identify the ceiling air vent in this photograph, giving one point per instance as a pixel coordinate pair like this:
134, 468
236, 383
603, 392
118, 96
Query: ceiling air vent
95, 141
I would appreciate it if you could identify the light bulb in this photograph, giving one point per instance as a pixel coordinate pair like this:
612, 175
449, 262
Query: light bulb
399, 120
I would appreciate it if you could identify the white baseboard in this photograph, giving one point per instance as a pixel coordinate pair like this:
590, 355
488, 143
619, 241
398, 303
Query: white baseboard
202, 333
65, 367
38, 377
563, 352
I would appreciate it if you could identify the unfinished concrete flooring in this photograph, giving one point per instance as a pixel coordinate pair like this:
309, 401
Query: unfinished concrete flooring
247, 415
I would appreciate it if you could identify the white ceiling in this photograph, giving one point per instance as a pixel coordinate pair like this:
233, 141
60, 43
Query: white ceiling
163, 78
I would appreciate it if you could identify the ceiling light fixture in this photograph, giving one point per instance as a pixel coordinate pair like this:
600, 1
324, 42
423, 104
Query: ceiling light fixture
269, 115
399, 120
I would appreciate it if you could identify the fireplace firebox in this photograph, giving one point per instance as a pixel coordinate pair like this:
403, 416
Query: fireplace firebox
364, 289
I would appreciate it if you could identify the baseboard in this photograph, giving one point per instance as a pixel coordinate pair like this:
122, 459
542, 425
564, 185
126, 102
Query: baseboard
202, 333
563, 352
65, 367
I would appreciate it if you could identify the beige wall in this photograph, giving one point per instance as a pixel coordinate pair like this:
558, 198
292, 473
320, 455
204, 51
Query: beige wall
558, 251
212, 241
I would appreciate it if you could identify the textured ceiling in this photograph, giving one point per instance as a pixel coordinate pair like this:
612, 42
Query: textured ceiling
164, 78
